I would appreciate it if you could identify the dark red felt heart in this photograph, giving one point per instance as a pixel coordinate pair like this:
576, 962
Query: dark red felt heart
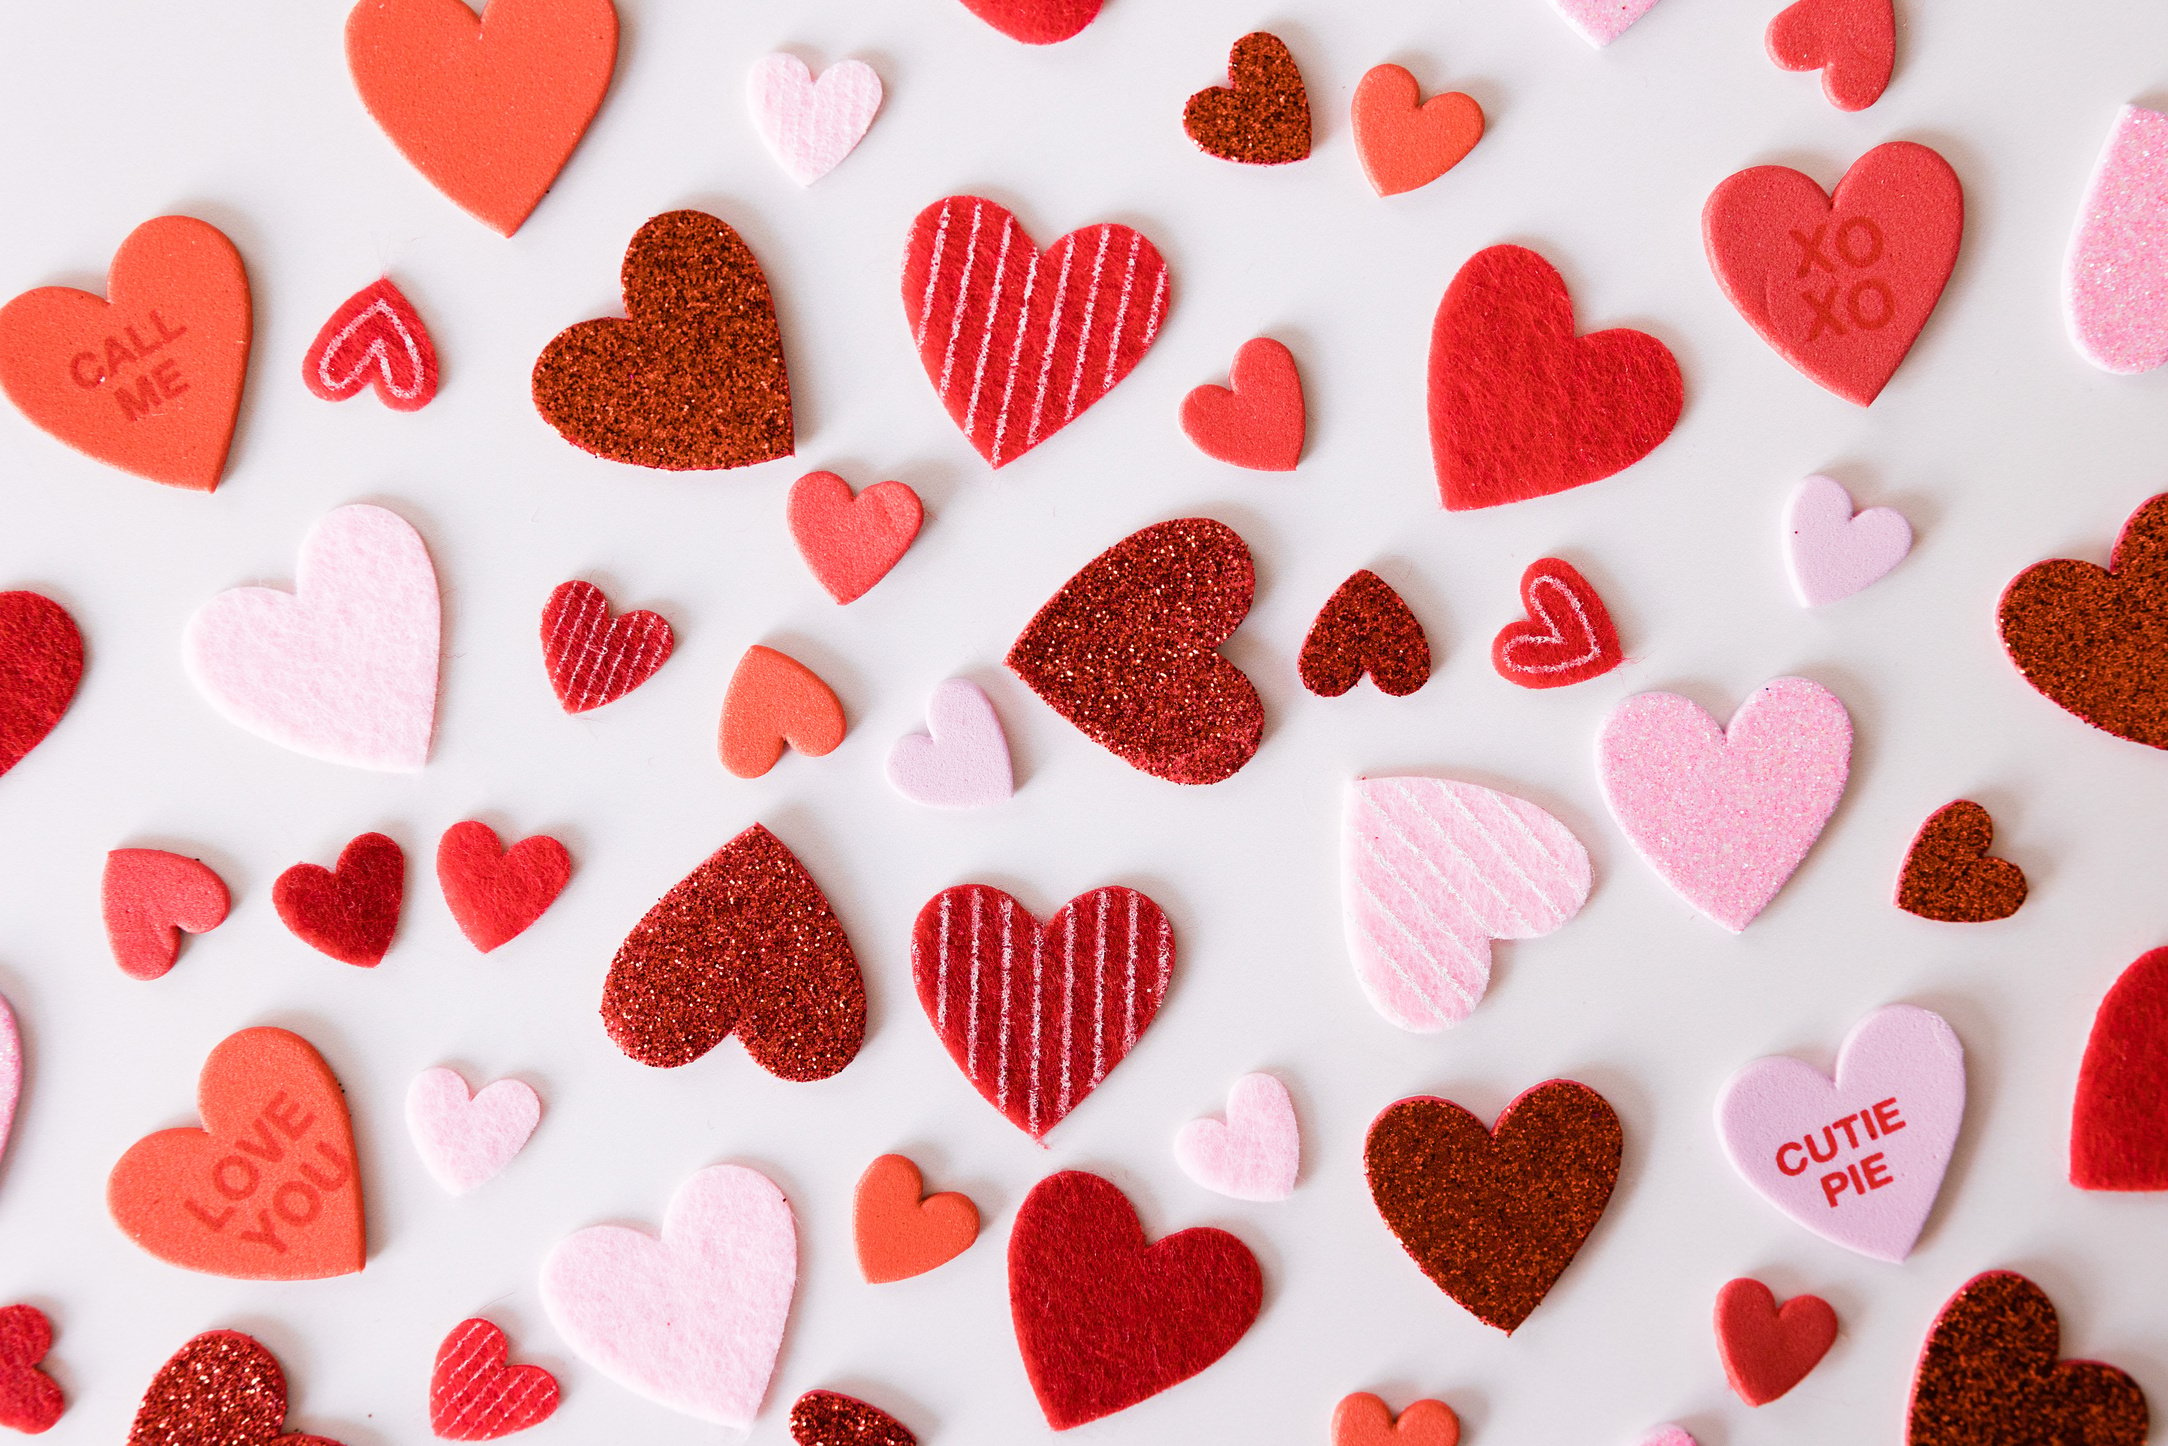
350, 912
1853, 43
1767, 1351
41, 661
1036, 22
2119, 1126
1568, 635
1365, 627
476, 1395
594, 658
495, 892
222, 1387
30, 1400
374, 339
1990, 1375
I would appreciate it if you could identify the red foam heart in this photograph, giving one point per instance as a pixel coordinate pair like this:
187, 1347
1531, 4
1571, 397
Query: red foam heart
350, 912
149, 896
849, 542
222, 1387
476, 1395
2119, 1125
1840, 284
1365, 627
41, 662
776, 701
1520, 407
1568, 635
374, 339
1767, 1351
495, 892
1036, 22
1852, 42
1256, 421
30, 1400
594, 658
1105, 1320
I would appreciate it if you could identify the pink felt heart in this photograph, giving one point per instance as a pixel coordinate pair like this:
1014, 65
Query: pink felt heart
344, 667
694, 1319
962, 760
1857, 1160
2116, 286
1255, 1152
1669, 1436
1602, 21
810, 125
1725, 815
465, 1140
11, 1072
1833, 553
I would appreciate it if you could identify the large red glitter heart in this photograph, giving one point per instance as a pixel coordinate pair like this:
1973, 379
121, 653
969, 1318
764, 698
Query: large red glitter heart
1989, 1375
1036, 22
476, 1395
30, 1400
2119, 1126
41, 662
1767, 1351
495, 892
222, 1387
351, 912
1568, 635
594, 658
1365, 627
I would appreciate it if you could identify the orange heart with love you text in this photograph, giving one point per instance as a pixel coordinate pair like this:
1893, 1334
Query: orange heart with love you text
900, 1234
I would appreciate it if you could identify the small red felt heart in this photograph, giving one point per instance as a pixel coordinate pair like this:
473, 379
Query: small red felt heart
1852, 42
475, 1395
350, 912
41, 662
30, 1400
594, 658
1256, 421
1036, 22
374, 340
1365, 627
221, 1387
1767, 1351
849, 542
1567, 637
2119, 1125
495, 892
1990, 1374
149, 897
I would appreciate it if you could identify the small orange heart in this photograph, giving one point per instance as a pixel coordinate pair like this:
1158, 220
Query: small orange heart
1406, 142
901, 1235
1363, 1420
774, 699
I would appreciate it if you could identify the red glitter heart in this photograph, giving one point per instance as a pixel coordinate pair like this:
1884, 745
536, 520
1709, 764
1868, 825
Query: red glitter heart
1948, 874
30, 1400
350, 913
222, 1387
41, 661
1767, 1351
495, 892
830, 1418
1989, 1375
1261, 117
2119, 1127
374, 340
594, 658
1365, 627
1568, 635
475, 1395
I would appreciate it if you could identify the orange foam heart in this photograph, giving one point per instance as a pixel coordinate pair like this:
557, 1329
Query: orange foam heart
774, 699
1362, 1419
901, 1235
1406, 142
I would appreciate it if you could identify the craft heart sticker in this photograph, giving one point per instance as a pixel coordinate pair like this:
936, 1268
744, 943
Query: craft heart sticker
1261, 117
776, 701
691, 379
900, 1232
1404, 141
810, 125
692, 1319
962, 760
1520, 406
849, 542
1568, 636
1103, 1318
1495, 1216
222, 1386
495, 892
1256, 420
11, 1072
745, 944
351, 912
268, 1188
146, 378
487, 107
1128, 651
1602, 21
30, 1400
1034, 1041
374, 339
594, 658
1362, 1419
1990, 1372
465, 1139
1432, 871
476, 1394
2119, 1124
1832, 553
149, 897
2115, 287
1767, 1351
1840, 284
830, 1418
1017, 342
1853, 43
1859, 1159
344, 667
1948, 874
1365, 627
1255, 1152
1036, 22
41, 664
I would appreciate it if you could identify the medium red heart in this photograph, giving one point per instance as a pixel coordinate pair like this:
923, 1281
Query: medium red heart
1256, 421
222, 1387
1767, 1351
1036, 22
30, 1400
1852, 42
374, 339
849, 542
1365, 627
494, 892
1990, 1374
149, 896
1105, 1320
2119, 1125
1520, 407
1840, 284
475, 1395
351, 912
41, 662
1568, 635
594, 658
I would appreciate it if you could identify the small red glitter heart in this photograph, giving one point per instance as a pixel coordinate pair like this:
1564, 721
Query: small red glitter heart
2119, 1127
1261, 117
830, 1418
1767, 1351
476, 1395
496, 892
148, 896
1568, 635
30, 1400
222, 1387
41, 662
374, 340
594, 658
351, 912
1948, 874
1365, 627
1990, 1374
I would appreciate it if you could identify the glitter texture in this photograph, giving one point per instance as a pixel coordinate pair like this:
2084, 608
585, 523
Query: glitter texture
1989, 1377
829, 1418
1948, 875
1261, 117
2117, 288
1365, 627
221, 1389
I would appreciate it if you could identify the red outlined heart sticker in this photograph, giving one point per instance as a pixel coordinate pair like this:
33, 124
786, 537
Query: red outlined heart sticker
148, 898
476, 1394
374, 339
594, 658
1991, 1371
1567, 637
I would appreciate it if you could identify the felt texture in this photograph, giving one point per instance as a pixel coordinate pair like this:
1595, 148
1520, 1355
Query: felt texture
1255, 1152
1948, 874
1256, 420
1859, 1159
344, 667
1767, 1351
1567, 636
1839, 283
1669, 1436
146, 378
1989, 1375
269, 1188
149, 897
350, 912
594, 658
962, 759
1017, 342
1127, 651
11, 1072
1602, 21
1362, 1419
495, 892
850, 543
1853, 43
1495, 1216
1036, 22
1831, 552
1433, 870
2115, 286
774, 700
1036, 1041
1103, 1318
375, 339
901, 1232
691, 1319
2119, 1123
487, 107
476, 1394
1726, 814
1261, 117
830, 1418
810, 125
465, 1139
223, 1388
1364, 628
30, 1400
41, 664
1520, 406
1404, 141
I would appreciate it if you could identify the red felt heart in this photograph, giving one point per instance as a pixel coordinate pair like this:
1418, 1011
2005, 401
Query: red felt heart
475, 1395
1520, 407
1019, 342
495, 892
41, 662
30, 1400
149, 896
1839, 284
1105, 1320
1365, 627
350, 912
374, 340
1036, 22
1852, 42
849, 542
1567, 637
1037, 1016
1990, 1375
2119, 1126
222, 1387
1256, 421
1767, 1351
594, 658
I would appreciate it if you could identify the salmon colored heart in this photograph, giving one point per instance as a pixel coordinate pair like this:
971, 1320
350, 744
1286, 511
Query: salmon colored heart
1365, 627
268, 1188
849, 542
30, 1400
1036, 22
487, 107
594, 658
494, 892
1261, 117
900, 1233
350, 912
2119, 1125
1853, 43
149, 897
1567, 637
774, 700
146, 378
375, 339
1362, 1419
1950, 876
1404, 141
1256, 421
1991, 1373
41, 664
476, 1394
1767, 1351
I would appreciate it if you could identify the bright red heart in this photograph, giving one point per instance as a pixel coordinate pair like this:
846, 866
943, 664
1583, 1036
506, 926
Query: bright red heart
221, 1387
374, 340
1852, 42
851, 542
1256, 421
1767, 1351
1105, 1320
1839, 284
351, 912
1568, 636
1520, 407
474, 1395
2119, 1126
1036, 22
1365, 627
149, 897
594, 658
41, 662
30, 1400
495, 892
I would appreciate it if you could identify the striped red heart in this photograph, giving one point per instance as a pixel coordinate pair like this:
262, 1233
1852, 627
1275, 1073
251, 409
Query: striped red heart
594, 658
1568, 635
374, 340
474, 1395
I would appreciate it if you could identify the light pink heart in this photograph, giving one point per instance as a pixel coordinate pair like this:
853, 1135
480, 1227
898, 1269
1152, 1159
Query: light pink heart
344, 667
963, 760
465, 1140
692, 1320
1602, 21
1833, 553
1669, 1436
1432, 871
1859, 1159
11, 1072
1726, 816
2116, 284
1255, 1153
809, 126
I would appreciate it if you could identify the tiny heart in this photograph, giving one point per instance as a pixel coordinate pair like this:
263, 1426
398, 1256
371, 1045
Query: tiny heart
11, 1071
30, 1400
1255, 1153
830, 1418
810, 125
1567, 637
465, 1140
1853, 43
221, 1387
41, 663
1365, 627
899, 1232
1767, 1351
1858, 1159
962, 759
1362, 1419
351, 912
773, 701
1256, 421
149, 897
2115, 284
375, 339
494, 892
1602, 21
2119, 1123
1261, 117
849, 542
1831, 552
594, 658
1991, 1372
1036, 22
475, 1394
1404, 141
1948, 874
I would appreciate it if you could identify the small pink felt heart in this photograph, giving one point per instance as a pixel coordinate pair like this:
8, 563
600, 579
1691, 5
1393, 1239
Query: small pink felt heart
2116, 286
465, 1140
1602, 21
1255, 1153
1859, 1159
849, 542
810, 125
1831, 552
1669, 1436
962, 760
1726, 815
11, 1072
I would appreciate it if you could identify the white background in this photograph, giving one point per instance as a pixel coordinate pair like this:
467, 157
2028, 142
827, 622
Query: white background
1998, 442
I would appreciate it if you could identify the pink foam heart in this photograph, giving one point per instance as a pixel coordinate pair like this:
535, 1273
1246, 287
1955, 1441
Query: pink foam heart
1726, 815
1602, 21
11, 1072
810, 125
465, 1140
962, 761
1431, 872
1859, 1159
344, 667
1833, 553
1255, 1153
692, 1320
1669, 1436
2116, 285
